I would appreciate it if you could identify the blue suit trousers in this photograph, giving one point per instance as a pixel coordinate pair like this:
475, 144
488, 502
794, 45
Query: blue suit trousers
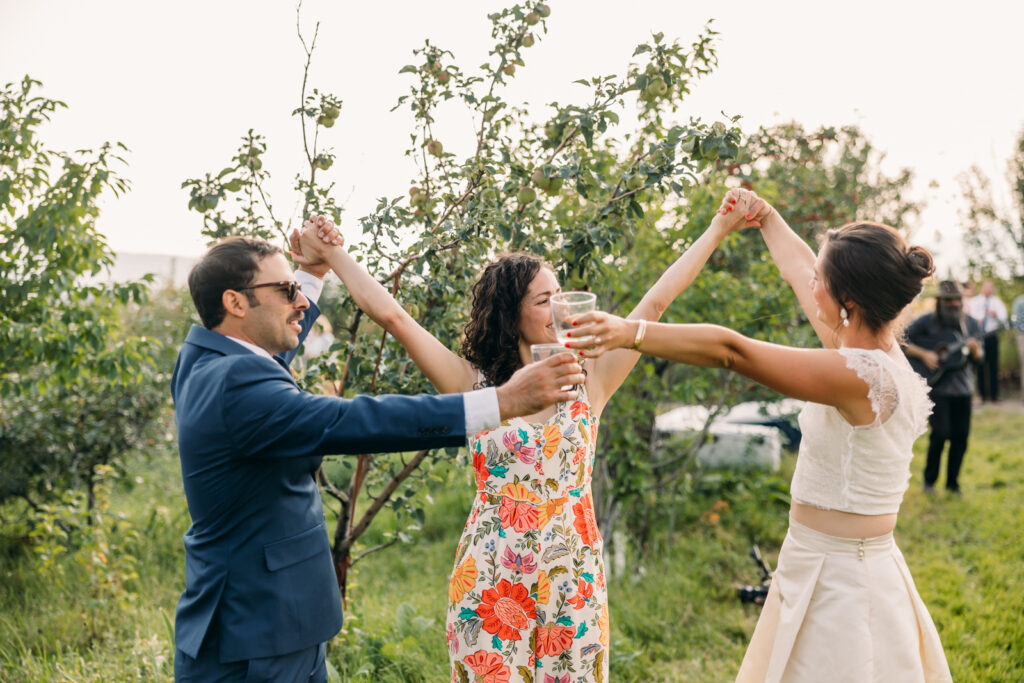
305, 666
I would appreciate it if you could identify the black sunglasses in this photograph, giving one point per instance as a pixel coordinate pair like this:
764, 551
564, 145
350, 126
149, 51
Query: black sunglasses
289, 287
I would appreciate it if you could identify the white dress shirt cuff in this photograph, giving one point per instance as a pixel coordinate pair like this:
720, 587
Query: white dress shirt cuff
310, 285
482, 410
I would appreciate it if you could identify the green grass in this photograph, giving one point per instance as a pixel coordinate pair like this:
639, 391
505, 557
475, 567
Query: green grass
53, 628
674, 612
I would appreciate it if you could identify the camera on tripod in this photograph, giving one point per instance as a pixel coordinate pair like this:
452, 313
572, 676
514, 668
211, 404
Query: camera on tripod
757, 594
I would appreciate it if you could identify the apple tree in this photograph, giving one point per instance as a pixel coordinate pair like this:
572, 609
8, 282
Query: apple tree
76, 390
571, 183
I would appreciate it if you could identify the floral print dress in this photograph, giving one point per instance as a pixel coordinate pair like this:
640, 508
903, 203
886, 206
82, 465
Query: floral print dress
527, 596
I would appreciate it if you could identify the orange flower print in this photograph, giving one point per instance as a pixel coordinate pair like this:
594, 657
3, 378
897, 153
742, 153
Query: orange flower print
488, 667
548, 443
578, 409
506, 609
549, 510
480, 471
602, 624
581, 452
554, 640
585, 523
543, 587
462, 579
518, 507
583, 593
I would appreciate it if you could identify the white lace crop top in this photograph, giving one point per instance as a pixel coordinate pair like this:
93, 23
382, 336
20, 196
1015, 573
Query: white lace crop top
863, 469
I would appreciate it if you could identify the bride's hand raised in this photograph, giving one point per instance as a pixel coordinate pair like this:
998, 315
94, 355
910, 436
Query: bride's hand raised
742, 209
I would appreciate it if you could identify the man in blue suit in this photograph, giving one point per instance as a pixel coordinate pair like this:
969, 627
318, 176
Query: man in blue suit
261, 597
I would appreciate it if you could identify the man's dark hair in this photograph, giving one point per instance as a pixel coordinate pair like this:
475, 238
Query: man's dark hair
232, 263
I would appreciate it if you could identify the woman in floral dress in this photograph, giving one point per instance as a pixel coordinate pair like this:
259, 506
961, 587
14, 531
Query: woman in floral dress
527, 596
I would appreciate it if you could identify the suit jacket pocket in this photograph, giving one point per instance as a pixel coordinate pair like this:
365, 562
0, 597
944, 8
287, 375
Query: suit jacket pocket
297, 548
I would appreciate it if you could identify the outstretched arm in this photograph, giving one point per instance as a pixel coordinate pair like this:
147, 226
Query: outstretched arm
447, 371
611, 371
817, 375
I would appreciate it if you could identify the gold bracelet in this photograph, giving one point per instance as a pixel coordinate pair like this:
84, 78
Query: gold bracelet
641, 330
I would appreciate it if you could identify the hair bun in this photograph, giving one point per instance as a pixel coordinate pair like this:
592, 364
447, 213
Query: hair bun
920, 261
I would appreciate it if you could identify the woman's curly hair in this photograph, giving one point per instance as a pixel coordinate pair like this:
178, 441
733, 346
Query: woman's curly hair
491, 341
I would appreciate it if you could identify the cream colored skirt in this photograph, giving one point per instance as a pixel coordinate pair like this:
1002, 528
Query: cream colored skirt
841, 609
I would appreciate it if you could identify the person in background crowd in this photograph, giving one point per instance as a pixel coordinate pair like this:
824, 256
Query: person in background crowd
1017, 322
969, 290
990, 312
940, 346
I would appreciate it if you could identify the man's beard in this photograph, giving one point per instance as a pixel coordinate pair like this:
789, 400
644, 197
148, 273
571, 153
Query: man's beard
949, 316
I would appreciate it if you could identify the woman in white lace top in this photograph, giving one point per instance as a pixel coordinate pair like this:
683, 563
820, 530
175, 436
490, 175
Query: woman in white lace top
842, 606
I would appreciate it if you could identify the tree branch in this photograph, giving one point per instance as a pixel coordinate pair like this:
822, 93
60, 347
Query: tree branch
382, 546
385, 495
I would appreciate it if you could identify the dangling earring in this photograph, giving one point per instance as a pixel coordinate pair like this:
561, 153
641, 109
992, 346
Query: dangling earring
845, 316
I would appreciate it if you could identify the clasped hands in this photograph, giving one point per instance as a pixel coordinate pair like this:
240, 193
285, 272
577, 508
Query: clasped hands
600, 332
742, 208
530, 389
310, 246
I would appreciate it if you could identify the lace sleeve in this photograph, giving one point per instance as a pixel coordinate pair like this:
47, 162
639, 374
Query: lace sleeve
920, 401
883, 391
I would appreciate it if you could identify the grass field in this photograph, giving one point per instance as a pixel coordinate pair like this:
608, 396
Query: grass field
674, 612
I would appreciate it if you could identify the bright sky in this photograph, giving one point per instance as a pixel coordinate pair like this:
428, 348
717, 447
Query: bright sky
936, 85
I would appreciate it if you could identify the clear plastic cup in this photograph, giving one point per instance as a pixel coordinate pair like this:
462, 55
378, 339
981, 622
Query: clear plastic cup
568, 305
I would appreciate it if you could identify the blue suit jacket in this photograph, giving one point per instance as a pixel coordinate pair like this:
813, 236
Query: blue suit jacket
257, 559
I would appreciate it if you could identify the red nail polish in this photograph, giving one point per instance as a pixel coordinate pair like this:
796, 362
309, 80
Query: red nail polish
574, 323
568, 334
733, 200
748, 216
567, 345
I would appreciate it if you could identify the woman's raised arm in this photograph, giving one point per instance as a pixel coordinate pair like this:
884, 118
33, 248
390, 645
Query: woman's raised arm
446, 370
793, 257
611, 371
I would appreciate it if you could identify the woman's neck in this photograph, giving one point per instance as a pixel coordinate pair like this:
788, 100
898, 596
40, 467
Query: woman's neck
860, 337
